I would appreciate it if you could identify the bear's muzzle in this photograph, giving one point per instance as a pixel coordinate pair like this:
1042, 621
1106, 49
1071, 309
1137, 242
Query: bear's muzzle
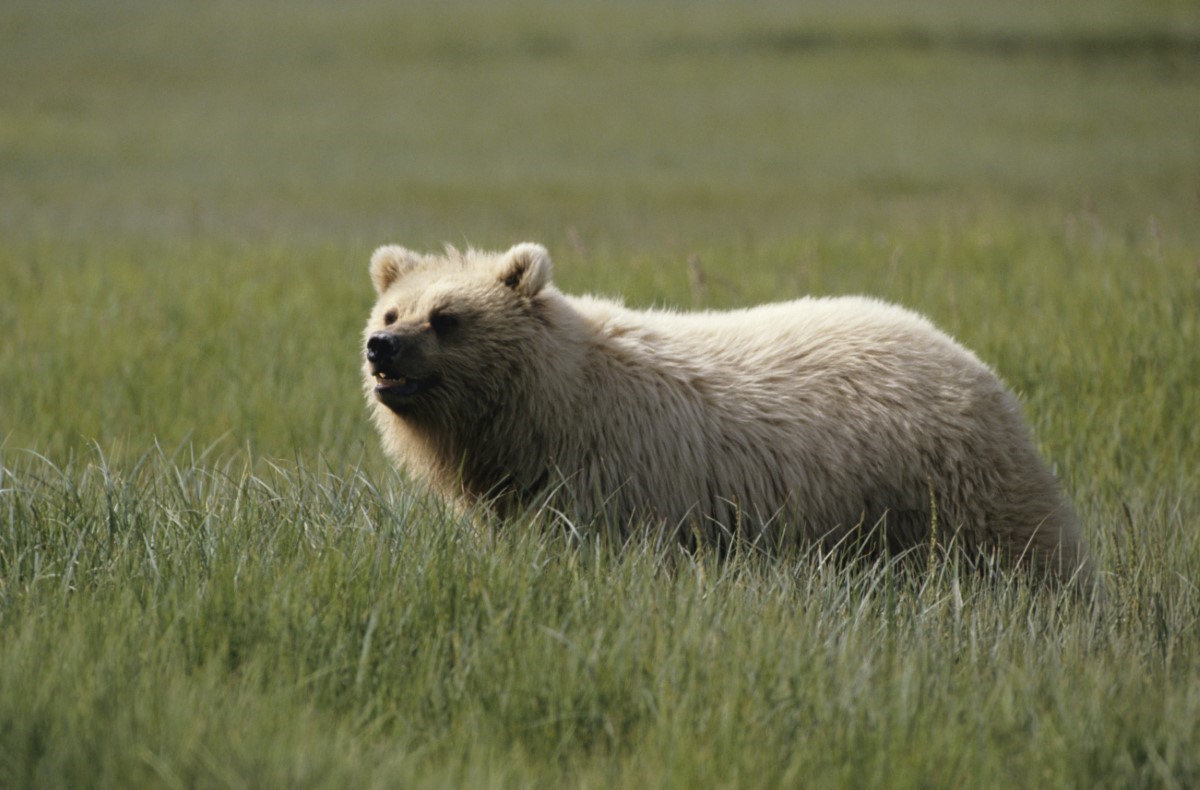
391, 357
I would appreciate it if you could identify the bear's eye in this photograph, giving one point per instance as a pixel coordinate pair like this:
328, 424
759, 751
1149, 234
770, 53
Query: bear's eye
390, 317
443, 322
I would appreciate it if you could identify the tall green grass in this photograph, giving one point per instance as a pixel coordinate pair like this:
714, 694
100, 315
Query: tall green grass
210, 577
188, 622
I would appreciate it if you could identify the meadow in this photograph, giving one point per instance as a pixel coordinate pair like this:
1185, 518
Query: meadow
210, 577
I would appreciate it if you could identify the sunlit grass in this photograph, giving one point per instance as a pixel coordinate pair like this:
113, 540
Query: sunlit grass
210, 577
191, 619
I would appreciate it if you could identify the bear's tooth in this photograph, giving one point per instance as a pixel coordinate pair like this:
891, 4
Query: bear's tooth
384, 378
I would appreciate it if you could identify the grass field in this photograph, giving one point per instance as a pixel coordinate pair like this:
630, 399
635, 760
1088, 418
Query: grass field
209, 577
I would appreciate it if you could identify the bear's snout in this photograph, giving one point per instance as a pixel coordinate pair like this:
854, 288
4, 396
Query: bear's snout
382, 348
398, 366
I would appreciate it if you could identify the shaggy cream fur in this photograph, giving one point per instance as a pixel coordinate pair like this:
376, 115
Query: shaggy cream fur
815, 420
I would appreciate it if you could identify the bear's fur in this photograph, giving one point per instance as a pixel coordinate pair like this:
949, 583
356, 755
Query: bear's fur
815, 420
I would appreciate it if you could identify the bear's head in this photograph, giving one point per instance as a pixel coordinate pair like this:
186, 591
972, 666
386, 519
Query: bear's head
449, 333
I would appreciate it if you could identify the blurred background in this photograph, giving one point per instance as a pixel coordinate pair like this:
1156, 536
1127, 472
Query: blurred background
189, 192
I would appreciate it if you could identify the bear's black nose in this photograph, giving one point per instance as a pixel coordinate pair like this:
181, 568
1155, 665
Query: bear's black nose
381, 347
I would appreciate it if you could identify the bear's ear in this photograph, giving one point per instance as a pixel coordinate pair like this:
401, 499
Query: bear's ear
525, 268
388, 263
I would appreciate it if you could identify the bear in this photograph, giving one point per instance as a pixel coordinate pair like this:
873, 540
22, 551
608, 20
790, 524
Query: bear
816, 421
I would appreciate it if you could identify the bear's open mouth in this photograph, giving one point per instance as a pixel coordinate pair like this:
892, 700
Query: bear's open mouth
398, 386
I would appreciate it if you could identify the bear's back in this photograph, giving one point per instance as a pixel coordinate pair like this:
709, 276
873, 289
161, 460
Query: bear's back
821, 353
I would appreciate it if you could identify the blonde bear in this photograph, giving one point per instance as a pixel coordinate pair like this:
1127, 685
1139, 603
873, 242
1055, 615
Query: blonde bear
816, 421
